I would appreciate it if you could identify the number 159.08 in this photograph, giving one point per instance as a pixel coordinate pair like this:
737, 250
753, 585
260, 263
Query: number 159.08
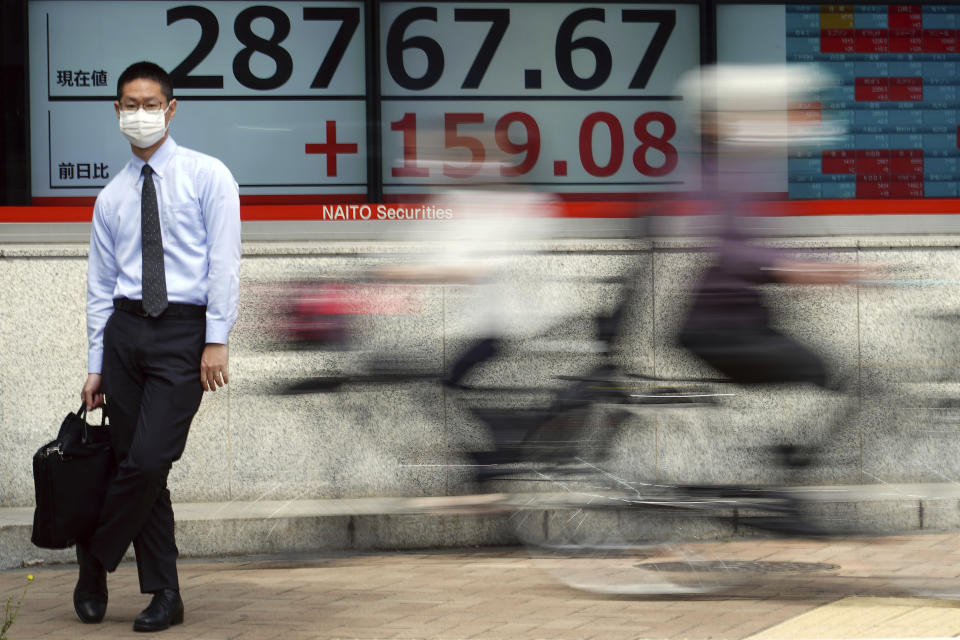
529, 146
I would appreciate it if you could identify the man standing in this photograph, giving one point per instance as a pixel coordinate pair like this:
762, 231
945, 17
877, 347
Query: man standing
162, 290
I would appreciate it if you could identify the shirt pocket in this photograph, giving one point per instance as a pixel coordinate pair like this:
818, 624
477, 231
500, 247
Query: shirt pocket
187, 219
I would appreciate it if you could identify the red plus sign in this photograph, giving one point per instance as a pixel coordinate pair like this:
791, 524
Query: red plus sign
331, 148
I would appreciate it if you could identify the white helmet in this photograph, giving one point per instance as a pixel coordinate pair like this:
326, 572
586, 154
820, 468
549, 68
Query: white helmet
751, 106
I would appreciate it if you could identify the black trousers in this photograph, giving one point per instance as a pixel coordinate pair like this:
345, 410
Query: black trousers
151, 380
478, 353
756, 355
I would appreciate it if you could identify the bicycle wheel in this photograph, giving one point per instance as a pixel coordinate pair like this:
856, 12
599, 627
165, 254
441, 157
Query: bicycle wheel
588, 548
898, 537
594, 530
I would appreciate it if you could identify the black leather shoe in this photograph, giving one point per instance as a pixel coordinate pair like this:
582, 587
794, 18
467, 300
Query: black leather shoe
165, 610
90, 594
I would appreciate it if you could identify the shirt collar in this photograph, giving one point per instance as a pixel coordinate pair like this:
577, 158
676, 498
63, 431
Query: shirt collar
159, 160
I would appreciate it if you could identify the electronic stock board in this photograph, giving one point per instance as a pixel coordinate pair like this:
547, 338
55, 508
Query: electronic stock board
570, 97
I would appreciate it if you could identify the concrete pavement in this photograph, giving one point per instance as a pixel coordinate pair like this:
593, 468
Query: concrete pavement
857, 588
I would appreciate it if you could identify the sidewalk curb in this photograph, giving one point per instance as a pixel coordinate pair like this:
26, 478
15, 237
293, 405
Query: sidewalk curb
292, 526
449, 522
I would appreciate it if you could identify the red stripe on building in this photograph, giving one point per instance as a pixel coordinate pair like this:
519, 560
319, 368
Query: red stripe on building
878, 205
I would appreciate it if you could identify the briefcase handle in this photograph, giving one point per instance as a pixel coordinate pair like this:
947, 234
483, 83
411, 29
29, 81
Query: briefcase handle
82, 414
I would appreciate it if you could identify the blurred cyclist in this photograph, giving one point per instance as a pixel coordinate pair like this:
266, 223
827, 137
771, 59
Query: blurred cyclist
483, 249
746, 122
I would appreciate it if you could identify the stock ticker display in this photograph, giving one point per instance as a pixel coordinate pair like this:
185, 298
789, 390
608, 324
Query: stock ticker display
571, 97
574, 97
896, 68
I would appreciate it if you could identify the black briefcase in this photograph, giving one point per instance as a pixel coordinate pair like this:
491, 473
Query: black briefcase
70, 476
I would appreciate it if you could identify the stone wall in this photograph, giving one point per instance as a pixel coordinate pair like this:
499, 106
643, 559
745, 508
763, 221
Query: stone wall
249, 443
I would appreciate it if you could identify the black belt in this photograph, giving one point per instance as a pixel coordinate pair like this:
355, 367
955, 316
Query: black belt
173, 308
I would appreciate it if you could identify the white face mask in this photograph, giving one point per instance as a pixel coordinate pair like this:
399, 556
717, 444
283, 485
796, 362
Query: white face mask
143, 128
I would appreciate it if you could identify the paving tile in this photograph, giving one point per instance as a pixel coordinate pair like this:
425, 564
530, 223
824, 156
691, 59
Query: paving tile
498, 594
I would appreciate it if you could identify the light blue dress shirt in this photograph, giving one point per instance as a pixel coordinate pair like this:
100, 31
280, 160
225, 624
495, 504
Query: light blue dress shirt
200, 224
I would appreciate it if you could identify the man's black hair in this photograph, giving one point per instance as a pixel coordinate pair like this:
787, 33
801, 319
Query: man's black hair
146, 71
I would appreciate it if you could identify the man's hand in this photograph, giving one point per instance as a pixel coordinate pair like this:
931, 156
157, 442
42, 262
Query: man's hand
213, 366
92, 393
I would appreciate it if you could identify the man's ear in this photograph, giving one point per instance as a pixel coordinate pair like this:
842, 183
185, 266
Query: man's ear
116, 107
172, 110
